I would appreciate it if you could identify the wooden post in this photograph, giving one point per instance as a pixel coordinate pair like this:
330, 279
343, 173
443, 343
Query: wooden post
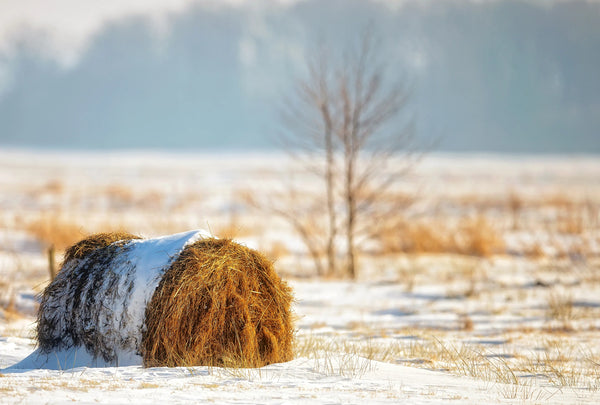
51, 262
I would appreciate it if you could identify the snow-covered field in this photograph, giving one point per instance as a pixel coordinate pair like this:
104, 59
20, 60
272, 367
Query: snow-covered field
518, 323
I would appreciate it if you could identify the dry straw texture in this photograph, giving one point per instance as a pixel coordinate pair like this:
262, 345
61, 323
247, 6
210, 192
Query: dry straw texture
86, 246
219, 304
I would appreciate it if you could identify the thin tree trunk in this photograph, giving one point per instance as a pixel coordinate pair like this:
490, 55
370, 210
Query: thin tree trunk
349, 192
351, 214
329, 184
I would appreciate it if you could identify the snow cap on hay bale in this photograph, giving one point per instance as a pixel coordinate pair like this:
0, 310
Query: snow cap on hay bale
179, 300
219, 304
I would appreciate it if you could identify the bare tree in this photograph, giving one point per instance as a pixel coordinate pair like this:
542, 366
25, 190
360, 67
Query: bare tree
368, 102
310, 136
343, 123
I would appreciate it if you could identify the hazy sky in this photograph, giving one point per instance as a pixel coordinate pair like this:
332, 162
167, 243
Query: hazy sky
72, 23
487, 75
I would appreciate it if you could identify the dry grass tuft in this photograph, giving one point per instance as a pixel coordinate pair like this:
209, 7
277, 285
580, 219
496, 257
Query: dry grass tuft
8, 307
556, 363
52, 230
560, 308
466, 323
219, 304
84, 247
477, 236
470, 236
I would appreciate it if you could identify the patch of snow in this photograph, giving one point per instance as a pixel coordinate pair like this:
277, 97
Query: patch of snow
73, 357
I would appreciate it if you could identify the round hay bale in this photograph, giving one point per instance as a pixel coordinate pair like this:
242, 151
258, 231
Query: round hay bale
219, 304
180, 300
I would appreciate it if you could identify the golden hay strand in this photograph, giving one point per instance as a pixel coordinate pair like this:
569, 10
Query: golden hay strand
96, 241
219, 304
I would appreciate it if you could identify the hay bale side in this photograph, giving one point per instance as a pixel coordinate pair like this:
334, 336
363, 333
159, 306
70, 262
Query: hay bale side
219, 304
74, 307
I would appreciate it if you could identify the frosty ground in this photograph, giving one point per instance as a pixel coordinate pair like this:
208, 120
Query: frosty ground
356, 345
518, 323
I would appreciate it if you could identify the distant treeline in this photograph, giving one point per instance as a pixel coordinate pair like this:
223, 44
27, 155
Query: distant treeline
511, 76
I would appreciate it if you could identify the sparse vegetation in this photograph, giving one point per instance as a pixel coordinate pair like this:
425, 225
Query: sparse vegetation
54, 230
560, 308
470, 236
497, 283
556, 363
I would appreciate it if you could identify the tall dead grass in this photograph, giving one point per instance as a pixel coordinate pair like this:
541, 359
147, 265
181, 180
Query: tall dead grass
469, 236
54, 230
8, 307
557, 212
560, 307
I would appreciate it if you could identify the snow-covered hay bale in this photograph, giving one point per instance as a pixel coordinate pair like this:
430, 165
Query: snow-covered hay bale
77, 306
219, 304
180, 300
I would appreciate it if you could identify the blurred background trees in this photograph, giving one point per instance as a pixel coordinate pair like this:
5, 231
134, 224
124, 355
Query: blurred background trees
499, 76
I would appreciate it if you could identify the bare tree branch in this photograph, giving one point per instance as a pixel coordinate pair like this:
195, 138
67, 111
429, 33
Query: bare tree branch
343, 121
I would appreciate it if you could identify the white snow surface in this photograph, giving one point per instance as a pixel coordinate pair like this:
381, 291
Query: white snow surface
320, 377
300, 381
147, 260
